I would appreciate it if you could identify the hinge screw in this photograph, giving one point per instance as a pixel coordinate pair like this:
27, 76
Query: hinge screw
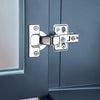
73, 38
36, 28
62, 39
63, 45
57, 29
36, 53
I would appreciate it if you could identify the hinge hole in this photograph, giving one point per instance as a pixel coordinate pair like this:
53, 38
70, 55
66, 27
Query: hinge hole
63, 29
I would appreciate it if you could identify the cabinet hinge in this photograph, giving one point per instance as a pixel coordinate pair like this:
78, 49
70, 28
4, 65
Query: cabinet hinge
38, 40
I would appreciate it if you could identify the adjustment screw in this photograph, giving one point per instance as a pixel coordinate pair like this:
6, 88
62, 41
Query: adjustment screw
73, 38
36, 53
62, 39
63, 45
36, 28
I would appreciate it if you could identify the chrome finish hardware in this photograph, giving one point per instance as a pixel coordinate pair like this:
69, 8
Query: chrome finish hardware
38, 39
34, 40
65, 37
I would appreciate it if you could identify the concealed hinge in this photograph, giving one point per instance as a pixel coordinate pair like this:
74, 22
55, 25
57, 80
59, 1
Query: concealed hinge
38, 39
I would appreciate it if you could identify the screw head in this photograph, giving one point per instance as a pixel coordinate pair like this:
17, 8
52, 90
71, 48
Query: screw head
57, 29
36, 53
73, 38
36, 28
63, 45
62, 39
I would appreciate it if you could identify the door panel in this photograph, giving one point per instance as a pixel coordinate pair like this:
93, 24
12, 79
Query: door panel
34, 81
80, 65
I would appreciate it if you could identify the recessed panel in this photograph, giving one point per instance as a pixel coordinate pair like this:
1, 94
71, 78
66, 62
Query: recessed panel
80, 65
